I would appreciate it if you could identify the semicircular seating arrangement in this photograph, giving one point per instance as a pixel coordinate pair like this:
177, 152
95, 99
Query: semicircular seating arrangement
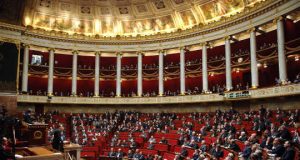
182, 135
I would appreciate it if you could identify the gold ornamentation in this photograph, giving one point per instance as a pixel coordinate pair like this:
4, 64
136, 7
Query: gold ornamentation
37, 135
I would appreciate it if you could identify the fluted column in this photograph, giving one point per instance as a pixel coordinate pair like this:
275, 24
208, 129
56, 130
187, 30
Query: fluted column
74, 73
228, 64
97, 74
140, 75
50, 72
161, 73
204, 68
281, 51
25, 69
254, 69
182, 70
118, 81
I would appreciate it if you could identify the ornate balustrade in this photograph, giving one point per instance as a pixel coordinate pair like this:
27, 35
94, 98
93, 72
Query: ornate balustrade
277, 91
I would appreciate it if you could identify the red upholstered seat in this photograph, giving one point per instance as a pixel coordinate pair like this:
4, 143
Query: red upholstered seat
173, 131
169, 156
158, 135
172, 142
149, 152
240, 144
177, 149
172, 136
226, 152
139, 140
208, 140
161, 147
190, 152
86, 154
88, 149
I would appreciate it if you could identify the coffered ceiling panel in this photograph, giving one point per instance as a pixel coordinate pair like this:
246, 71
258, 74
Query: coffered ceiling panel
128, 17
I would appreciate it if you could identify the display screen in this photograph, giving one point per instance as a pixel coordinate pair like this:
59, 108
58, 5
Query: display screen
36, 60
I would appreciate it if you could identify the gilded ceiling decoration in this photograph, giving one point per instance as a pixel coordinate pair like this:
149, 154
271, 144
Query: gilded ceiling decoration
111, 18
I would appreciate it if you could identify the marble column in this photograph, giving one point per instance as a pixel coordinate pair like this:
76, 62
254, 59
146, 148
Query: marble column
74, 74
281, 51
182, 71
254, 69
228, 64
204, 68
25, 69
140, 75
97, 74
118, 81
50, 72
161, 73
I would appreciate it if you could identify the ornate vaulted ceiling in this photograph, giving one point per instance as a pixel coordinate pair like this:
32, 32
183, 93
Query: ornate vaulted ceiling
128, 17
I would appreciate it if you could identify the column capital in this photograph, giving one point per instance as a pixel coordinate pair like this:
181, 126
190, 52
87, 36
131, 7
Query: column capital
227, 38
51, 49
140, 53
162, 51
98, 53
204, 44
280, 18
253, 29
26, 45
74, 52
119, 53
182, 48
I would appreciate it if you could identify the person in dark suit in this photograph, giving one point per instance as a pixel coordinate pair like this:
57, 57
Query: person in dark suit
150, 145
141, 156
203, 146
27, 117
138, 155
289, 151
57, 142
193, 145
163, 141
119, 154
217, 152
278, 148
243, 137
112, 153
183, 152
233, 146
129, 154
196, 155
247, 150
284, 133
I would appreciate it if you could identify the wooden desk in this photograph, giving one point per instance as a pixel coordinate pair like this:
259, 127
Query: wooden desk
38, 153
34, 134
73, 150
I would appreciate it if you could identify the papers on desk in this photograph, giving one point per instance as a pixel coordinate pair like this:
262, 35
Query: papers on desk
18, 156
57, 153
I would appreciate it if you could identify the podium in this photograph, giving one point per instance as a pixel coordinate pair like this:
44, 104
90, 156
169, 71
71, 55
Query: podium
72, 150
37, 134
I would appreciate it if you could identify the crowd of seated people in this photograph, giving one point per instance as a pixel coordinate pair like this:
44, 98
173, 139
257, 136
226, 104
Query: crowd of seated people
220, 135
266, 45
